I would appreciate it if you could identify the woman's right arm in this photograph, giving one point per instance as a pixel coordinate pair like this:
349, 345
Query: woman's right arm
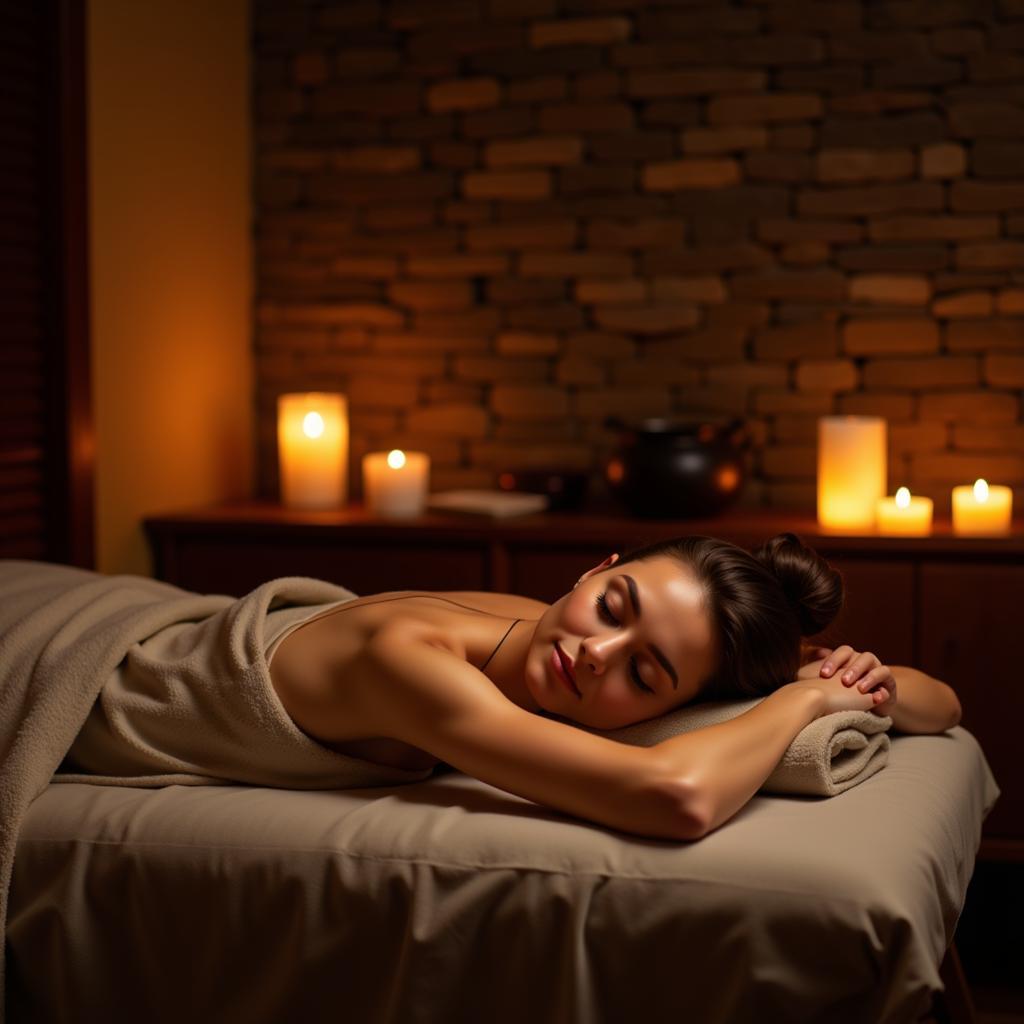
415, 689
728, 763
681, 788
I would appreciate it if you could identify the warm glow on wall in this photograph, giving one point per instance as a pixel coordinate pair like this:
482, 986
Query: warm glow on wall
852, 453
312, 447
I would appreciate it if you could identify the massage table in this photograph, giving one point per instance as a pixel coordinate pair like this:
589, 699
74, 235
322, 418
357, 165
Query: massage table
449, 900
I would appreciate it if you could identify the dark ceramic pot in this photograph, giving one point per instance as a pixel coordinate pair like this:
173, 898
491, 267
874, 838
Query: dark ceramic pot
678, 469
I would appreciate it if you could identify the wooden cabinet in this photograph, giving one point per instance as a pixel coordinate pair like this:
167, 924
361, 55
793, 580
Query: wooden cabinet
947, 605
970, 614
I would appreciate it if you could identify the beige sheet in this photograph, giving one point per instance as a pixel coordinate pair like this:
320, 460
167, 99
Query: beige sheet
450, 900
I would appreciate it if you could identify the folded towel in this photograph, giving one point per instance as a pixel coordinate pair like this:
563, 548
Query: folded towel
828, 756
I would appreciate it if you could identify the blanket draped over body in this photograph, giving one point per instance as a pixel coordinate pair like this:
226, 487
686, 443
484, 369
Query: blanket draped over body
135, 682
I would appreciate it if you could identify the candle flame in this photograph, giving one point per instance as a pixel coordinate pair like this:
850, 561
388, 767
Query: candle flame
312, 424
980, 490
903, 497
396, 458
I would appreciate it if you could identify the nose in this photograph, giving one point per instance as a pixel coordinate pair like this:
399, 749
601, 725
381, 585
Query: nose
596, 651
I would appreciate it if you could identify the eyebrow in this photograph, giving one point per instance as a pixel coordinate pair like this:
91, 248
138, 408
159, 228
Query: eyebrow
634, 597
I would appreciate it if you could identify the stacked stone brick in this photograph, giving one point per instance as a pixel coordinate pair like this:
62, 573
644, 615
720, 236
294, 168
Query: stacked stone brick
491, 223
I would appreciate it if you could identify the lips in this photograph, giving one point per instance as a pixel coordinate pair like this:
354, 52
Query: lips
563, 667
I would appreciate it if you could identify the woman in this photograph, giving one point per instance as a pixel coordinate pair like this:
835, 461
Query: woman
488, 683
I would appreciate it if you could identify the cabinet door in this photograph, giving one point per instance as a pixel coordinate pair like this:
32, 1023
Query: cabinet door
878, 614
224, 566
970, 633
548, 573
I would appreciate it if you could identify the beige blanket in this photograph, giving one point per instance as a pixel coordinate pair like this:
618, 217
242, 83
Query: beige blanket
164, 685
828, 756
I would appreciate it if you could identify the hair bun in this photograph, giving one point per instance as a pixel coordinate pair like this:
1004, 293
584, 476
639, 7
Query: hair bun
813, 588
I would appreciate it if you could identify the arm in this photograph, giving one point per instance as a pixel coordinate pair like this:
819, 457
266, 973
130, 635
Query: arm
727, 763
923, 704
428, 696
914, 701
681, 788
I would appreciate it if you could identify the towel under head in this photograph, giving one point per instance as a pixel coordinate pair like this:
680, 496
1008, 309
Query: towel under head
828, 756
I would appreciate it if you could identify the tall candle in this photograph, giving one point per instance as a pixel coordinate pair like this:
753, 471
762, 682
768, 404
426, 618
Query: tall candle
982, 509
395, 483
312, 448
851, 470
905, 514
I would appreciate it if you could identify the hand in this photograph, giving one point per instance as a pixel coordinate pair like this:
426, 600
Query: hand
862, 670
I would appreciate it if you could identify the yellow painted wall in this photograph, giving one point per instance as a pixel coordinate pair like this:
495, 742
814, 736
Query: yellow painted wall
171, 263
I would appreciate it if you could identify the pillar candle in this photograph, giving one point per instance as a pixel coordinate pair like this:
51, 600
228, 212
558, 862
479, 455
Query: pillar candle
395, 483
312, 448
851, 470
905, 514
982, 509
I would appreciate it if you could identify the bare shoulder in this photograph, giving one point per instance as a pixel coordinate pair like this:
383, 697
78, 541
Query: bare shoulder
512, 605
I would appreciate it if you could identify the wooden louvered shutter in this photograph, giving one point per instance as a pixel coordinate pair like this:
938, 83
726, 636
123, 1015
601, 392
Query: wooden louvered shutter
46, 449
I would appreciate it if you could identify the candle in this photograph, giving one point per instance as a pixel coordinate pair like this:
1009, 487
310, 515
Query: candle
395, 482
905, 514
312, 449
982, 509
851, 470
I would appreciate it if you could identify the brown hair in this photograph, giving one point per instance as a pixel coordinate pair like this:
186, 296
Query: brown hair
761, 604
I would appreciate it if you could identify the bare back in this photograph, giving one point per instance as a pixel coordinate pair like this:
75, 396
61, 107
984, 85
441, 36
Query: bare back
309, 662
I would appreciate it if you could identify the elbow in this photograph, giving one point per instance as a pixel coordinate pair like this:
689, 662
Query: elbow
691, 815
955, 711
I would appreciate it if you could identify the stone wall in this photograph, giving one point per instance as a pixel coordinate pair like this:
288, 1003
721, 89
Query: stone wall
491, 223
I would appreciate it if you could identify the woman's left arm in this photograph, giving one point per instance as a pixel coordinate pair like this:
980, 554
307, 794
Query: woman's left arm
925, 704
914, 701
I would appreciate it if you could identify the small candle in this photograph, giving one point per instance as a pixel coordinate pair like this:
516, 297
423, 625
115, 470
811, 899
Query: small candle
982, 509
906, 514
312, 449
851, 470
395, 482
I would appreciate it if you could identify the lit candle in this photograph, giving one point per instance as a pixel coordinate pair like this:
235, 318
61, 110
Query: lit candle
851, 470
982, 509
905, 514
395, 482
312, 449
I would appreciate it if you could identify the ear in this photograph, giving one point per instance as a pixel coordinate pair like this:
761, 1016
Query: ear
607, 563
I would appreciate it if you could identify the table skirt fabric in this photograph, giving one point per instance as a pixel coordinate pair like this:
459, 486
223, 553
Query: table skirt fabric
449, 900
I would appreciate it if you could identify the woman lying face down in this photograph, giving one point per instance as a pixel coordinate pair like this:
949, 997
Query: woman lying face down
480, 681
627, 643
681, 620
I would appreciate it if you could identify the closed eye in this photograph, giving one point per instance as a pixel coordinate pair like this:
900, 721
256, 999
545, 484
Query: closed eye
606, 613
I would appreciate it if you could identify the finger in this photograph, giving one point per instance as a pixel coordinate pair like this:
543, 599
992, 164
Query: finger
871, 679
837, 659
880, 676
859, 667
881, 709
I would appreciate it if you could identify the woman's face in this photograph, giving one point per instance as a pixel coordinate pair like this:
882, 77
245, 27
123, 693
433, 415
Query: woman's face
638, 642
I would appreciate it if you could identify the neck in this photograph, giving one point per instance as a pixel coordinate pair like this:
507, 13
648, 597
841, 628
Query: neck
506, 642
